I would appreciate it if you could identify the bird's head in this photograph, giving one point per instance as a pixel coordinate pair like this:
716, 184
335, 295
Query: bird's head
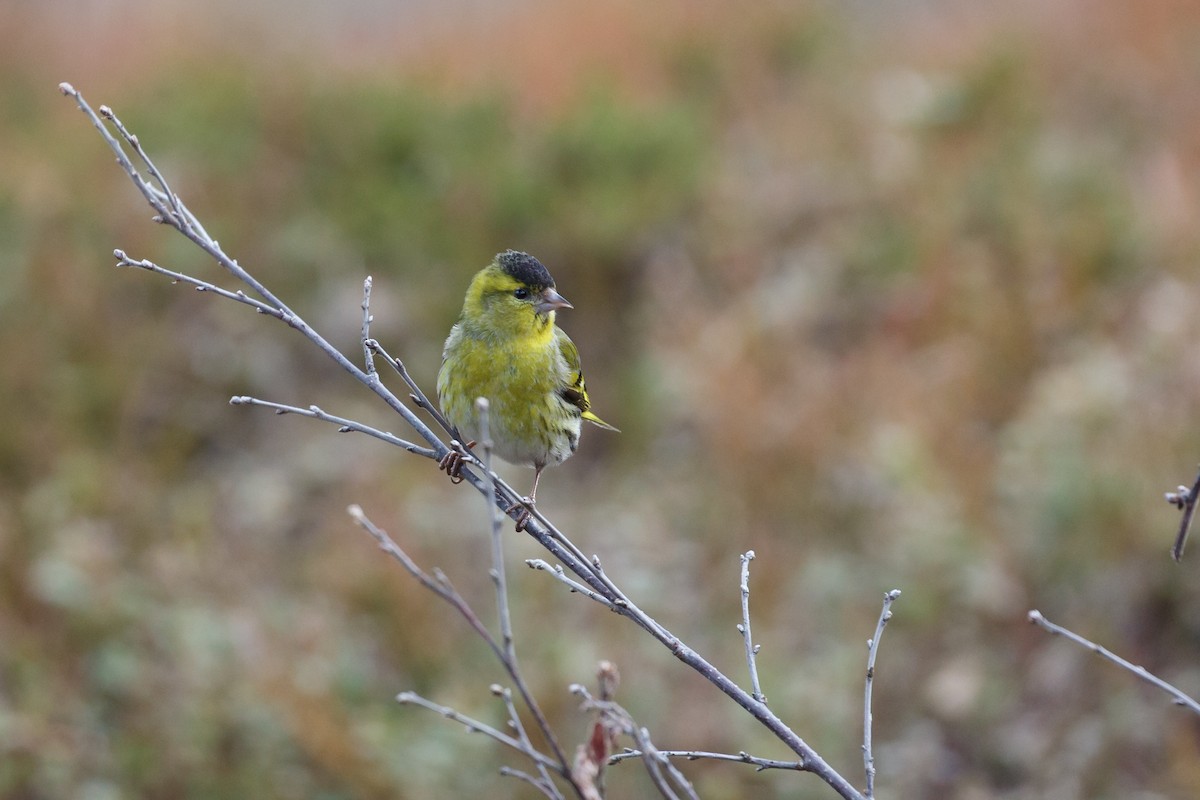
513, 295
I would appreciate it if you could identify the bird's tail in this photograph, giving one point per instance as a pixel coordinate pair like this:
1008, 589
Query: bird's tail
592, 418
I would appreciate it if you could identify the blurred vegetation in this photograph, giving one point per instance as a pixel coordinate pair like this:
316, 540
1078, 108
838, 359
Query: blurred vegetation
896, 297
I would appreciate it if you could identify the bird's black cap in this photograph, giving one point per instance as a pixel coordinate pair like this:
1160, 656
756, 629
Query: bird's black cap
526, 269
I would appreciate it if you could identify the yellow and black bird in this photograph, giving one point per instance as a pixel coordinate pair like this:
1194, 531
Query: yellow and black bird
506, 347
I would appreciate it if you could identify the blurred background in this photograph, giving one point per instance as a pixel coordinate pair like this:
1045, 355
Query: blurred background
899, 295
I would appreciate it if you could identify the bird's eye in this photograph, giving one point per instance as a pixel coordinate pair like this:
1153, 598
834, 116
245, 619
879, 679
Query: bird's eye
521, 294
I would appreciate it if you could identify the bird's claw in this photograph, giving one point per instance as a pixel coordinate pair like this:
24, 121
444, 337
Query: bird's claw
452, 462
526, 506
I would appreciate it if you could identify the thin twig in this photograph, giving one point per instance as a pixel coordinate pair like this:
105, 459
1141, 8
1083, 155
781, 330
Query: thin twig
437, 583
885, 614
344, 425
475, 726
417, 394
499, 579
239, 296
548, 789
760, 764
509, 658
1177, 695
368, 353
153, 195
656, 766
559, 574
440, 585
812, 761
1184, 499
744, 628
183, 218
514, 720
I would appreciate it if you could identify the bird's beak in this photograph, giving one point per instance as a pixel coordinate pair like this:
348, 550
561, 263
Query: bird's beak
550, 301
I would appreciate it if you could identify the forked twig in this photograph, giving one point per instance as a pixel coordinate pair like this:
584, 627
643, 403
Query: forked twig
475, 726
440, 585
417, 395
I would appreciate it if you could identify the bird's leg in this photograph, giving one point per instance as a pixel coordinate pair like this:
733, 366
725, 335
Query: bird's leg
452, 462
526, 503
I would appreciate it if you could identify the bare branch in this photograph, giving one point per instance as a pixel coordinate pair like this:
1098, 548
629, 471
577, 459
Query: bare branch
437, 583
368, 352
1177, 695
183, 218
543, 786
344, 425
665, 775
509, 655
1184, 499
744, 627
124, 260
885, 615
440, 585
418, 396
514, 720
560, 574
475, 726
482, 409
153, 196
695, 755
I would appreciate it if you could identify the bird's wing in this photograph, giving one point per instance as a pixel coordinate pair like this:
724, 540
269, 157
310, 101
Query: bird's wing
575, 390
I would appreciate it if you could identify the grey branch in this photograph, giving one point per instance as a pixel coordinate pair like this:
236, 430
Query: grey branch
559, 574
440, 585
344, 425
475, 726
508, 656
1184, 499
499, 578
544, 784
437, 583
1177, 695
124, 260
744, 627
417, 394
885, 615
368, 353
760, 764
